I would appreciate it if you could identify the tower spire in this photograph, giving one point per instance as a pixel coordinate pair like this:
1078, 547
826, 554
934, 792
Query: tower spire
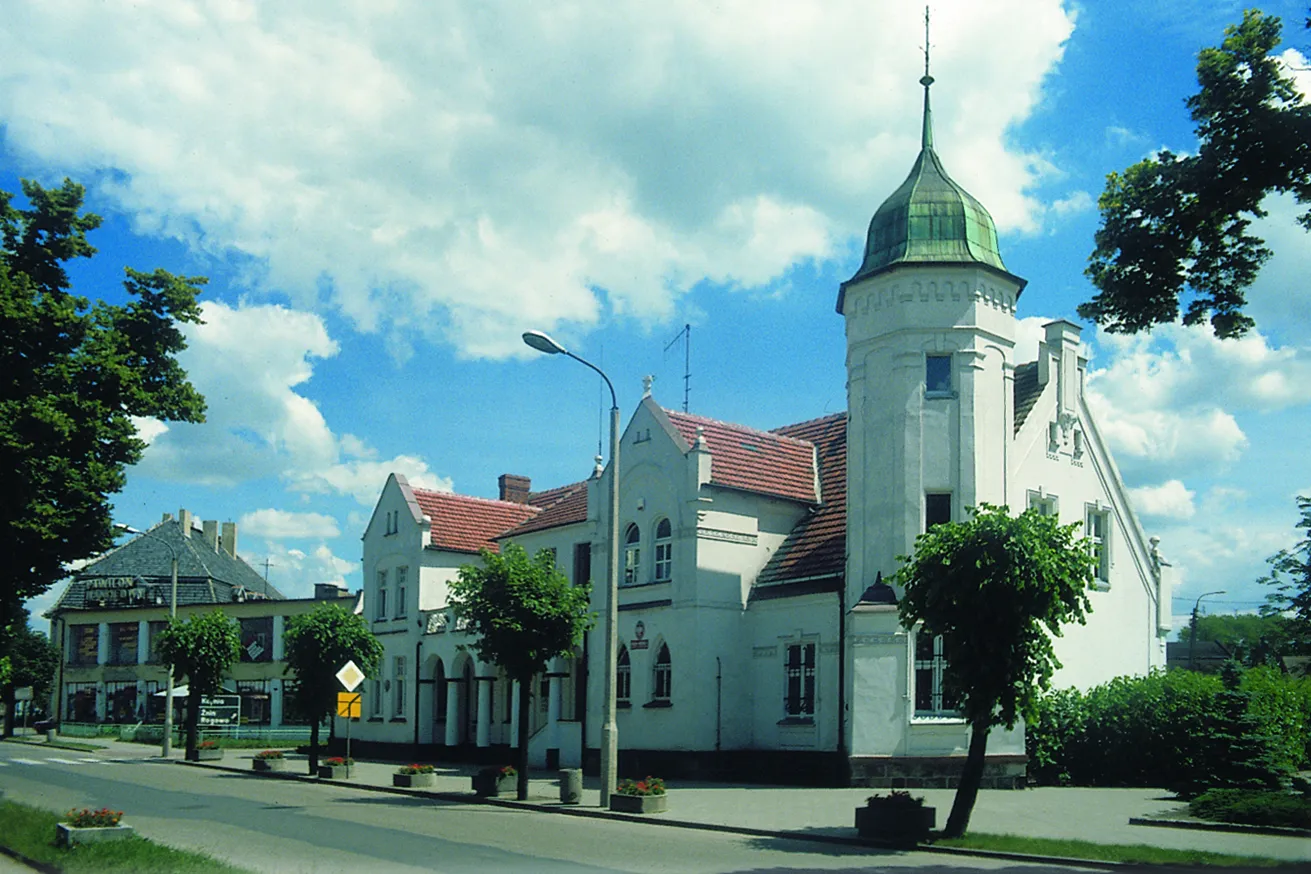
926, 137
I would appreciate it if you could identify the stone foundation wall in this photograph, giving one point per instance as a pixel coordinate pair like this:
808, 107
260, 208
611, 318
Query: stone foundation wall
941, 772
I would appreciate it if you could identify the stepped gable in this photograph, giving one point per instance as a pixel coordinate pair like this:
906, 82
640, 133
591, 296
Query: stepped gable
464, 524
1027, 392
764, 462
565, 505
817, 547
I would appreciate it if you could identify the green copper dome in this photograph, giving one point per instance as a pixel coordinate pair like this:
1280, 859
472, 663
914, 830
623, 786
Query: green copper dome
929, 219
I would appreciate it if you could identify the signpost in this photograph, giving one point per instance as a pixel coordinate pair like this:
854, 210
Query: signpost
348, 703
220, 710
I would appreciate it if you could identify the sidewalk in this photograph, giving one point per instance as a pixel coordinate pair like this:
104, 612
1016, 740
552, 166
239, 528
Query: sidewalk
1097, 815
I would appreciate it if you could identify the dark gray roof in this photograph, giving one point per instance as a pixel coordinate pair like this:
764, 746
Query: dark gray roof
1027, 392
138, 572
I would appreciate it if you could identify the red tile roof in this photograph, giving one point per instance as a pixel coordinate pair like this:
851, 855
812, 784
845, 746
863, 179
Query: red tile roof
464, 524
817, 547
565, 505
769, 463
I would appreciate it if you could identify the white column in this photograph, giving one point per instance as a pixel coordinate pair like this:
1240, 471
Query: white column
278, 624
102, 701
275, 704
452, 712
102, 643
514, 715
143, 641
484, 711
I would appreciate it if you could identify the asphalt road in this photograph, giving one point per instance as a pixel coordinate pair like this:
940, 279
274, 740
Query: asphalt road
289, 826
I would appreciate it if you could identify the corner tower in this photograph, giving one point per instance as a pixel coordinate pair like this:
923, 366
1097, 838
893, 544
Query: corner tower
930, 325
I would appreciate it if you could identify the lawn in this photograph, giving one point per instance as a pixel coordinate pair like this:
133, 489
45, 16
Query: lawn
1135, 854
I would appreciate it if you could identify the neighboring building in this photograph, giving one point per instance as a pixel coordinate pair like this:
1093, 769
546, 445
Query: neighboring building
106, 620
758, 638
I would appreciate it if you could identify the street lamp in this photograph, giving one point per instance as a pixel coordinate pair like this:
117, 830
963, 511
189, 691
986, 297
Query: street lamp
609, 729
172, 612
1192, 633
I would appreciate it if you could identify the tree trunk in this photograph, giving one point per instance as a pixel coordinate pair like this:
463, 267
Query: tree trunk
193, 722
968, 790
525, 703
314, 746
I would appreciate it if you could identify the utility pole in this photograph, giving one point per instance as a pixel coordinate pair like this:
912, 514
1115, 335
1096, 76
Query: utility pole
1192, 629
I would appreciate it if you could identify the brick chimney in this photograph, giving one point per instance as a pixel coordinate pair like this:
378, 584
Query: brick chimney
514, 488
228, 540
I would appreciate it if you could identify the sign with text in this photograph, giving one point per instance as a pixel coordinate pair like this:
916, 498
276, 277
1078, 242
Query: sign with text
220, 710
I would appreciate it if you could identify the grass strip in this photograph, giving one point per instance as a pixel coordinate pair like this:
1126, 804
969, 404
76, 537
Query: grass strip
31, 832
1138, 854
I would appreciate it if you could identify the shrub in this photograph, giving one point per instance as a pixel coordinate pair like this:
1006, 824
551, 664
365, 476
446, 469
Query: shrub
87, 818
896, 797
1252, 807
415, 769
649, 786
269, 754
1283, 704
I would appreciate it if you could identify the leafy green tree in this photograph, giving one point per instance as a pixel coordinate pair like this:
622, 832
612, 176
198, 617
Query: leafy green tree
72, 376
997, 588
1290, 577
201, 648
1254, 639
525, 613
316, 645
33, 660
1238, 748
1173, 225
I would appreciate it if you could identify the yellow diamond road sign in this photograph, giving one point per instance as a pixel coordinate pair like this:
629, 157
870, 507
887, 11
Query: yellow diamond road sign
350, 676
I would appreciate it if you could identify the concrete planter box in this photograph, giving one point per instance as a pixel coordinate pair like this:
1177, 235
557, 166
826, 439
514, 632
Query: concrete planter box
639, 803
413, 781
70, 835
334, 772
896, 823
209, 755
490, 785
268, 764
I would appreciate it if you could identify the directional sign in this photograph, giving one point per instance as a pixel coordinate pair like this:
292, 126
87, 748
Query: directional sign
220, 710
350, 676
348, 704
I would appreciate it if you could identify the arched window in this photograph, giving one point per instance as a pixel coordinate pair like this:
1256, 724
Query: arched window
439, 691
664, 551
662, 678
632, 555
624, 678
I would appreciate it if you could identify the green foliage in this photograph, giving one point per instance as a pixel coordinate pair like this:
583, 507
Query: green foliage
1173, 225
1167, 858
1236, 746
1290, 577
1282, 704
997, 588
317, 644
202, 648
32, 661
1253, 638
524, 611
74, 375
1252, 807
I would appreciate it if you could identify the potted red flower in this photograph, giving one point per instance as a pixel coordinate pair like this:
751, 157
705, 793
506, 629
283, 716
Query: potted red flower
640, 796
491, 782
414, 776
85, 826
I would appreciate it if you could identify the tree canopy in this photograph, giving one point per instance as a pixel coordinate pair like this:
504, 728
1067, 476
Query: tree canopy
1290, 577
997, 588
316, 645
202, 648
32, 661
72, 377
1180, 225
525, 613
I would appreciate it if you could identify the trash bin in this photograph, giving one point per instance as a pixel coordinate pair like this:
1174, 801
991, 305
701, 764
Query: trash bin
50, 735
571, 785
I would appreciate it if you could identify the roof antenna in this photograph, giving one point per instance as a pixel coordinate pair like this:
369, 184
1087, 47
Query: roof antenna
686, 336
926, 137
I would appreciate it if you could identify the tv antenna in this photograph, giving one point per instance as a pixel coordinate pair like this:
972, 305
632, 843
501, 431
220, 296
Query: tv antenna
686, 336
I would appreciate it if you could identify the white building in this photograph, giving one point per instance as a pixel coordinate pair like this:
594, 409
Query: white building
757, 637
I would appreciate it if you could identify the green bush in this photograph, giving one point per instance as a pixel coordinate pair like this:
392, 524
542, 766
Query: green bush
1252, 807
1282, 704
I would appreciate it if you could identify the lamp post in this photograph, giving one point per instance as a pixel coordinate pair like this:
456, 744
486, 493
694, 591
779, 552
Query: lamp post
172, 613
1192, 631
609, 729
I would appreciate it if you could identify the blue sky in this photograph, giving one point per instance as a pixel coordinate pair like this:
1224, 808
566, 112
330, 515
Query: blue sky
384, 196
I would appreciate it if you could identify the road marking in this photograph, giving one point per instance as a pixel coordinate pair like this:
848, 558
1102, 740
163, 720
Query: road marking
27, 761
65, 761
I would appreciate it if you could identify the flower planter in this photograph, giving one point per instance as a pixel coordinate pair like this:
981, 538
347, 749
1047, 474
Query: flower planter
639, 803
899, 824
268, 764
70, 835
333, 772
205, 755
492, 785
413, 781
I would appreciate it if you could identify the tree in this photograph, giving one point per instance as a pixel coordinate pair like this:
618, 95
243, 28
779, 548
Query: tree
1254, 639
33, 660
1173, 224
316, 645
525, 613
1290, 577
73, 377
202, 648
997, 588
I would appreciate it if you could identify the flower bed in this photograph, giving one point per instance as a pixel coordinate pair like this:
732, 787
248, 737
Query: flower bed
335, 768
640, 796
269, 760
89, 826
491, 782
205, 751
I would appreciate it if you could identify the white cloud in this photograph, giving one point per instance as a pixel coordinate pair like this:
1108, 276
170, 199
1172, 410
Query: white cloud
281, 524
1077, 202
363, 479
456, 171
1171, 499
295, 571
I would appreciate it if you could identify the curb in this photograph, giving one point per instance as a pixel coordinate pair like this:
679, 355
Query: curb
1204, 825
597, 813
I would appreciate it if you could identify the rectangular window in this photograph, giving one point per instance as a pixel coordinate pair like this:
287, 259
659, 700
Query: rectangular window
121, 702
291, 712
257, 639
398, 686
123, 638
86, 645
1097, 528
937, 509
931, 696
937, 375
152, 634
582, 564
80, 702
375, 698
402, 577
1046, 505
255, 708
799, 699
381, 612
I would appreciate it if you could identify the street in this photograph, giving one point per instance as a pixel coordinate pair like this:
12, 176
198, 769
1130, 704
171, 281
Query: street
290, 826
